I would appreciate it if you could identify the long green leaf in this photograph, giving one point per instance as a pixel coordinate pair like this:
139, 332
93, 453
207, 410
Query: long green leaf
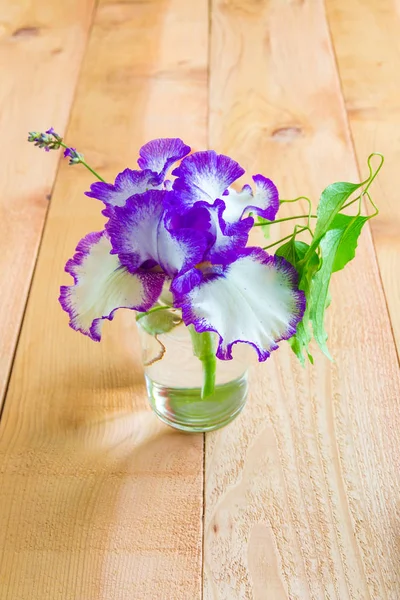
294, 251
333, 246
332, 199
351, 227
320, 286
338, 247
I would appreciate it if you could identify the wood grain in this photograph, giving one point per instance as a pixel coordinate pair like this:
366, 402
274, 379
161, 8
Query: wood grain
302, 491
41, 48
370, 75
98, 499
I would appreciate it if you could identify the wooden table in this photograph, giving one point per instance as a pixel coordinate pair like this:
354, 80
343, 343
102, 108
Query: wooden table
299, 498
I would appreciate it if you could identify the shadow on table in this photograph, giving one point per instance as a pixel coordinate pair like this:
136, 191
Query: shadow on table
100, 499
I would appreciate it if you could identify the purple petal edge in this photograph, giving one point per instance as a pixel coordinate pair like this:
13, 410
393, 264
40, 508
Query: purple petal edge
127, 183
300, 299
205, 174
159, 154
82, 249
270, 212
237, 232
81, 252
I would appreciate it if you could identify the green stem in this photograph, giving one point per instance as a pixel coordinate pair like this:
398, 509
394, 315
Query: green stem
285, 238
295, 200
372, 176
374, 205
82, 162
286, 219
204, 349
152, 310
92, 171
351, 202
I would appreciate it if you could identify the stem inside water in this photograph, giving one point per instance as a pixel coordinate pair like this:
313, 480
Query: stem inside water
204, 349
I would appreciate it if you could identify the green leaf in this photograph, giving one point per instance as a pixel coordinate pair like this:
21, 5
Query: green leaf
299, 342
289, 251
294, 252
315, 283
160, 321
351, 227
297, 346
320, 286
328, 300
338, 247
333, 246
332, 199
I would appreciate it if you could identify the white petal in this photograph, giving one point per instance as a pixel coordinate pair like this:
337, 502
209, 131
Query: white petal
102, 285
205, 176
264, 201
254, 300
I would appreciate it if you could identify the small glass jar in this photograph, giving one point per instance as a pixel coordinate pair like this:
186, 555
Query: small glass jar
175, 375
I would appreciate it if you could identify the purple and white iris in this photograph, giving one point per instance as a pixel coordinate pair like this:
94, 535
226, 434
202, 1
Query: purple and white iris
191, 234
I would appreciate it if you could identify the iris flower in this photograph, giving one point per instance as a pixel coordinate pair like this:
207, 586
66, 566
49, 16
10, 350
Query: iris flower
189, 234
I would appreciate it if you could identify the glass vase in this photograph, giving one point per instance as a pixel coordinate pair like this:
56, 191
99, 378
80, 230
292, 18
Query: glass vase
188, 388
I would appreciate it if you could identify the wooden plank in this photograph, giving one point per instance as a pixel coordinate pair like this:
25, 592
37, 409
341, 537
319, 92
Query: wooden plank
98, 499
301, 491
370, 75
41, 48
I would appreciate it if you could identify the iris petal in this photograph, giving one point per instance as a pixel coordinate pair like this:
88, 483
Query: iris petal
158, 155
228, 238
254, 300
102, 285
205, 176
126, 184
155, 159
264, 201
133, 229
139, 232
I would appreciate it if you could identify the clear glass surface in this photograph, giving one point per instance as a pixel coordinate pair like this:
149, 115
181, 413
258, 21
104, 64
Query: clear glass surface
174, 379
